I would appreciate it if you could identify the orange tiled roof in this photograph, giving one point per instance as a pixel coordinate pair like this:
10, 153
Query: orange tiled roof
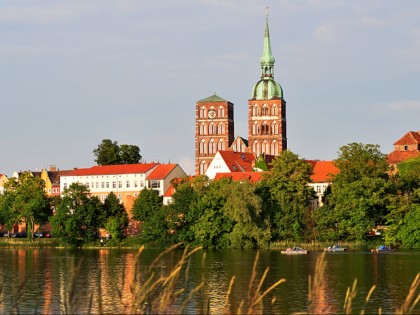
170, 191
161, 171
411, 137
323, 171
253, 177
238, 161
113, 169
396, 157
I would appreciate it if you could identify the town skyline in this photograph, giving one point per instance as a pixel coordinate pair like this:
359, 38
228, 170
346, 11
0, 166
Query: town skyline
76, 73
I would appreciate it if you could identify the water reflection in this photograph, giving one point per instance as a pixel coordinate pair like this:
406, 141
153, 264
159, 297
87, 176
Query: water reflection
64, 281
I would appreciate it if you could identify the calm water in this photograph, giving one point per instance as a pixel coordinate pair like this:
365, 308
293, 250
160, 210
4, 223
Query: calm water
39, 280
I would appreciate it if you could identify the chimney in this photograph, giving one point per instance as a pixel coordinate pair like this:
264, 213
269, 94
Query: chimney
52, 168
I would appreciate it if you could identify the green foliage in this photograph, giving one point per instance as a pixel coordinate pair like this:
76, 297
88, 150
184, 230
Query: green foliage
110, 153
359, 191
148, 209
25, 201
114, 217
78, 215
288, 185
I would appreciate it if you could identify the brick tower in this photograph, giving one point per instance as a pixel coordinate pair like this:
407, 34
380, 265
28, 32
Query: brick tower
214, 130
267, 108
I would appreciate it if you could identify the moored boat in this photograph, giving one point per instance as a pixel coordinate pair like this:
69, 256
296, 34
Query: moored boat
381, 249
294, 251
335, 248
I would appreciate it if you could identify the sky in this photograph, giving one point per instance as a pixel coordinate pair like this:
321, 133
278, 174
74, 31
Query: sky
73, 73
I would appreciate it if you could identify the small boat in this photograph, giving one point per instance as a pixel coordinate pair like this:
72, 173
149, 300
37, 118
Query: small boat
381, 249
335, 248
294, 251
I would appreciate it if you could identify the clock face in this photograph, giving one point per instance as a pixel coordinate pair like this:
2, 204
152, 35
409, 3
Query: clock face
212, 113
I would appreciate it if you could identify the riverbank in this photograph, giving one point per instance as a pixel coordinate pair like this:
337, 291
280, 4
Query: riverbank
134, 242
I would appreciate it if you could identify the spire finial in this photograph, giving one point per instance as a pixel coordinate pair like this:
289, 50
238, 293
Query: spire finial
267, 8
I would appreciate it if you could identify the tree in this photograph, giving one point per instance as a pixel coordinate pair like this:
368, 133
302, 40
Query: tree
404, 206
359, 190
77, 217
288, 184
113, 216
148, 209
110, 153
25, 201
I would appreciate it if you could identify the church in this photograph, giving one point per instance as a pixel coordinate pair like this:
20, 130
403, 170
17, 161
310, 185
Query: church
214, 122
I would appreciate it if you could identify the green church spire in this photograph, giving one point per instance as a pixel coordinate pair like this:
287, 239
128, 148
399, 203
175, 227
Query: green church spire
266, 88
267, 60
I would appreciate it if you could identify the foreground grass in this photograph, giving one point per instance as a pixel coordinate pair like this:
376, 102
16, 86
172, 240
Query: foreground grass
157, 291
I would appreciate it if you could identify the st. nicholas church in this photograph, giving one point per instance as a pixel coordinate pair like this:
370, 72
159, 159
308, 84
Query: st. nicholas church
214, 123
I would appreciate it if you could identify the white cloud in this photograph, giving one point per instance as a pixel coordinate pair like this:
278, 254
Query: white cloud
407, 105
325, 32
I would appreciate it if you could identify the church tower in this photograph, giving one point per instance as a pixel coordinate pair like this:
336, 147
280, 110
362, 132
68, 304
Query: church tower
267, 108
214, 130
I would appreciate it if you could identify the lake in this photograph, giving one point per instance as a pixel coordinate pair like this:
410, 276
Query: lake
101, 280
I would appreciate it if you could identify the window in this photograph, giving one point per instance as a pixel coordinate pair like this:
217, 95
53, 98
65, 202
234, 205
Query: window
127, 184
120, 197
212, 129
203, 147
203, 168
203, 129
153, 184
203, 112
102, 184
119, 184
221, 129
221, 112
107, 184
135, 184
65, 186
212, 147
114, 184
406, 148
221, 145
97, 184
141, 184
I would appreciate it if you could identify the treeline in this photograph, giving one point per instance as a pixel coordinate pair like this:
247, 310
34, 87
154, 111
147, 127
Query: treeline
227, 214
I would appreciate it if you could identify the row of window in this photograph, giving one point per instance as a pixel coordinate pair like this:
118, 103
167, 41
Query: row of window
265, 148
220, 112
265, 110
265, 129
113, 184
212, 129
212, 147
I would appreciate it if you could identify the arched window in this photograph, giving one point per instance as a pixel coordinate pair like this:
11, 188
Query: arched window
264, 110
274, 128
212, 129
265, 130
203, 129
203, 147
265, 147
203, 112
221, 145
212, 147
256, 148
274, 148
255, 110
203, 168
221, 112
221, 129
274, 110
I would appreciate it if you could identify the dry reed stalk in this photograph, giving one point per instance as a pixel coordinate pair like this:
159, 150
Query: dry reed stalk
225, 307
315, 286
411, 300
350, 295
368, 298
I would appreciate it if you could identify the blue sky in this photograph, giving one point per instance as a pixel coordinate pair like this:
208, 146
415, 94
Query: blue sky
75, 72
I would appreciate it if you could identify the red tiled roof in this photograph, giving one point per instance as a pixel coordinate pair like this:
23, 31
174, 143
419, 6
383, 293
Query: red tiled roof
161, 171
323, 171
396, 157
113, 169
238, 161
170, 191
253, 177
411, 137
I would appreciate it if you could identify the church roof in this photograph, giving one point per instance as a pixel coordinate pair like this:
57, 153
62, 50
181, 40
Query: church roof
213, 98
411, 137
238, 161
